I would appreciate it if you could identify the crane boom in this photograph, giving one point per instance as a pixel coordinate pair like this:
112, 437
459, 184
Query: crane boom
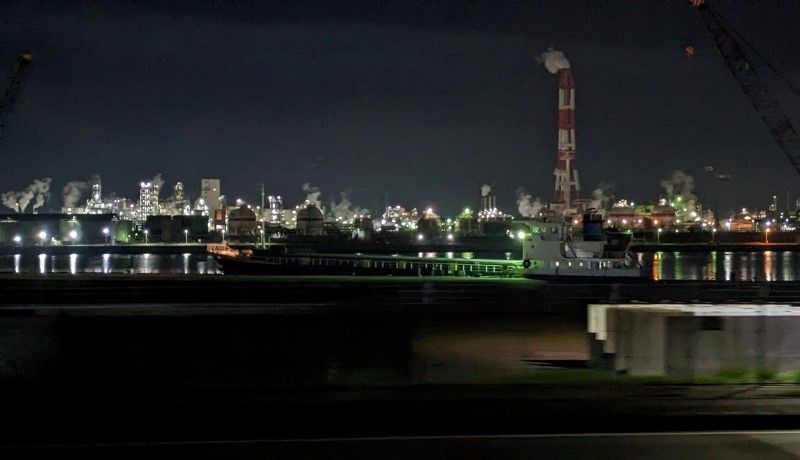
13, 84
738, 58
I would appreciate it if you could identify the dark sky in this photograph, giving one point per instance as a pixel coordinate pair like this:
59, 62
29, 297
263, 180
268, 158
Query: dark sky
415, 102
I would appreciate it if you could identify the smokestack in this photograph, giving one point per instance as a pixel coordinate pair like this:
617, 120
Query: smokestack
566, 177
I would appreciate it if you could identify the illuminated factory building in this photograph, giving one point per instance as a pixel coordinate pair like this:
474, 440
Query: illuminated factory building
148, 200
211, 194
95, 203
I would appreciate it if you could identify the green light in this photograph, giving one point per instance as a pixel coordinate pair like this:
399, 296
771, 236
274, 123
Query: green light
521, 235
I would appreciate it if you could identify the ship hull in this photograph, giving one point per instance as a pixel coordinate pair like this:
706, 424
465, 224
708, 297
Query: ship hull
588, 278
307, 265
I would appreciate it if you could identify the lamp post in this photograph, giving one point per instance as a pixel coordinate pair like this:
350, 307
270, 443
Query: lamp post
186, 236
261, 231
43, 237
223, 236
106, 231
658, 235
146, 232
714, 235
17, 239
523, 237
766, 235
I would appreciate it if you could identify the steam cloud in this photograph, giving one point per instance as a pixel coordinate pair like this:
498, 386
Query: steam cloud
72, 192
602, 197
527, 205
312, 195
345, 208
679, 183
38, 192
157, 181
486, 189
553, 60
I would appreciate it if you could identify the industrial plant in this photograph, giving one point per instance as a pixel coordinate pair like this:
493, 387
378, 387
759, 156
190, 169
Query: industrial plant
163, 213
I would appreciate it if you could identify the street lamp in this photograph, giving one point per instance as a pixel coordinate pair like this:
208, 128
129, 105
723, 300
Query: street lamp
17, 239
766, 235
714, 235
73, 235
658, 235
106, 231
223, 236
43, 236
146, 232
186, 236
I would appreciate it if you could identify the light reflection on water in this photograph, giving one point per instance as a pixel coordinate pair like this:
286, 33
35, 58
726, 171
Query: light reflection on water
73, 264
110, 263
723, 266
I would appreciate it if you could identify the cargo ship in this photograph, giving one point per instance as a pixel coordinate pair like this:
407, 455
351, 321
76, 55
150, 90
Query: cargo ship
278, 261
554, 251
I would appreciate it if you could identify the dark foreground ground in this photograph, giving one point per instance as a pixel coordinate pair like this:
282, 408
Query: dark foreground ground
766, 445
352, 367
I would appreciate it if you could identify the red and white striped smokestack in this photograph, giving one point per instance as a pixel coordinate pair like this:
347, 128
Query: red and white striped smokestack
567, 185
566, 176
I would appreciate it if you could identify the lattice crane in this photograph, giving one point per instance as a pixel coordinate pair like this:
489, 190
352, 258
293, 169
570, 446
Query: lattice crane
14, 81
738, 55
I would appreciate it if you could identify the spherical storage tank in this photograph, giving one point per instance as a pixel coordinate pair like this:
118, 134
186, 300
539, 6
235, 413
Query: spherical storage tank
309, 220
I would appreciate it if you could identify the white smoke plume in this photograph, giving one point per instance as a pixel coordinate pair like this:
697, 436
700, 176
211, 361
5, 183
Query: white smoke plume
42, 189
345, 210
72, 192
486, 189
527, 205
553, 60
38, 192
10, 200
679, 183
602, 197
312, 195
157, 181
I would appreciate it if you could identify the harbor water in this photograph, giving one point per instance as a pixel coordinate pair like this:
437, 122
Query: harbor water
698, 266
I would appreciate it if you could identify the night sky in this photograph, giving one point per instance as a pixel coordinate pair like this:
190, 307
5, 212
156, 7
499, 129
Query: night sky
410, 102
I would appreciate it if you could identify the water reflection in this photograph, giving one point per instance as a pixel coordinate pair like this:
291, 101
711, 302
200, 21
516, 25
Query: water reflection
727, 265
73, 264
786, 262
109, 263
723, 266
769, 272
